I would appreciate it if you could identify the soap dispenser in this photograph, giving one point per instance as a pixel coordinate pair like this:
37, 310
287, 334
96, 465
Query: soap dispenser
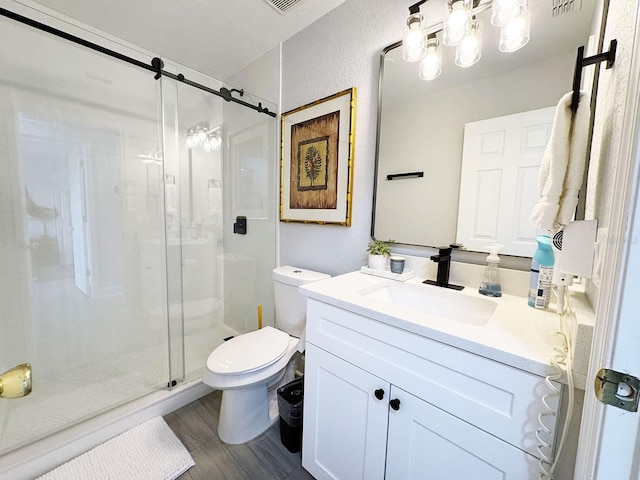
490, 285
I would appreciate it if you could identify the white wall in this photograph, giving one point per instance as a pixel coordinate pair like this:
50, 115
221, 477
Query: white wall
608, 132
339, 51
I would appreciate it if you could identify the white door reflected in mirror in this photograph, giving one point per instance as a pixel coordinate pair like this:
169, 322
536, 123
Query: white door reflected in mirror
499, 181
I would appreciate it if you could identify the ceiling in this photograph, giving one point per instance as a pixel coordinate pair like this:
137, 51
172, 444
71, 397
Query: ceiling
215, 37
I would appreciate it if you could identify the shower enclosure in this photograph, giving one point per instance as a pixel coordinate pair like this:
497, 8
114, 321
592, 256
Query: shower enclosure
118, 195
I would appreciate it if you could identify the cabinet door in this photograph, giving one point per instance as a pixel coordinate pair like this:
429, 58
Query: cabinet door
345, 424
427, 443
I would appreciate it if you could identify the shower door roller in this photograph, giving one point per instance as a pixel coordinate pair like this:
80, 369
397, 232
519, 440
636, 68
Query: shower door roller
16, 383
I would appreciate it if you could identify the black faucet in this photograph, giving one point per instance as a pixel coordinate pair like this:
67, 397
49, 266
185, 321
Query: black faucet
443, 259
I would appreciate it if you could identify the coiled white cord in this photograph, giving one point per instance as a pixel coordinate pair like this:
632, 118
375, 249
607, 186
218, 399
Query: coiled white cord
562, 356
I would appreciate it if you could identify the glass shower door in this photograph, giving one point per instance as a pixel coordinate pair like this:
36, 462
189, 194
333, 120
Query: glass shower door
220, 163
81, 194
118, 195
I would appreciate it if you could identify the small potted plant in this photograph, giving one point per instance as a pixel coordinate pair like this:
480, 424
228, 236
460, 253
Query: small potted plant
379, 253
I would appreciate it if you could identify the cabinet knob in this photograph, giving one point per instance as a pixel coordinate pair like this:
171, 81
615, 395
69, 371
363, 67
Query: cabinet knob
379, 393
395, 404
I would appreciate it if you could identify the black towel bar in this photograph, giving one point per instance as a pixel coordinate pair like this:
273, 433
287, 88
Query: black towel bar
582, 62
395, 176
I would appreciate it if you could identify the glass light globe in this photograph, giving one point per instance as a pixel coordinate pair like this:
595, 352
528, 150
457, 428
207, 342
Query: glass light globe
430, 65
468, 52
413, 39
515, 34
502, 11
456, 22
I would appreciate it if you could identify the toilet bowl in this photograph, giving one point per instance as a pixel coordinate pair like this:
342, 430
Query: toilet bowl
249, 368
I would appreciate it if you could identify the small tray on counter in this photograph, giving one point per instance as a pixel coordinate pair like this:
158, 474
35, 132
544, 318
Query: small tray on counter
401, 277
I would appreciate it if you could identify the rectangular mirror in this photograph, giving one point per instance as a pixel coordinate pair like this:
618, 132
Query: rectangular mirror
423, 194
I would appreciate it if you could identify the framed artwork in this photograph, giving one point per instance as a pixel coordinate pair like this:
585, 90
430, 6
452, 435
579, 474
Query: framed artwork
316, 167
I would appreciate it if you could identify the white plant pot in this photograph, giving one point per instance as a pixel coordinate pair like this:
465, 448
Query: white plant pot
378, 262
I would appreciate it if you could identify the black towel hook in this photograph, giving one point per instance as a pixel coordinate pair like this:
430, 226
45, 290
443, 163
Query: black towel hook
582, 62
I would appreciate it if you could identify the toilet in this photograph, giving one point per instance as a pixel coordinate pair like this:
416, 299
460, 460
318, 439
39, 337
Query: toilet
250, 367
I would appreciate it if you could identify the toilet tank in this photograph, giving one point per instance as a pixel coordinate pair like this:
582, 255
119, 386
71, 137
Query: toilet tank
290, 305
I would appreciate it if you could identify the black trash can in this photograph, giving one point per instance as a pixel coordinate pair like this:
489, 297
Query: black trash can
290, 397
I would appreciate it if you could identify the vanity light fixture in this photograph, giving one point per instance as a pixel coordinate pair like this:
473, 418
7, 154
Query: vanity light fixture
414, 35
463, 30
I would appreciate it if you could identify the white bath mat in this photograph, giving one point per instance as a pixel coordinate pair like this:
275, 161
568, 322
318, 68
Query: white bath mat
150, 451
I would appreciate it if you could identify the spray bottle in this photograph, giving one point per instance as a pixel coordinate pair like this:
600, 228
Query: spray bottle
541, 273
490, 285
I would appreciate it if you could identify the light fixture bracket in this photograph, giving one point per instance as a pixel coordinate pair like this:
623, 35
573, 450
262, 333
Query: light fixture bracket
451, 2
415, 8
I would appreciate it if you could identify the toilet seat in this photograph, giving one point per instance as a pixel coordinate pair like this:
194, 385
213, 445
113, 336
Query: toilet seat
249, 352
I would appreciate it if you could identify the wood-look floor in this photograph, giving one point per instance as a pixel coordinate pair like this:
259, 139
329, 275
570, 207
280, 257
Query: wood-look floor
263, 458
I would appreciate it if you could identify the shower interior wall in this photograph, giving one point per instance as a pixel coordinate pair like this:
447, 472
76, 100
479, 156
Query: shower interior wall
118, 275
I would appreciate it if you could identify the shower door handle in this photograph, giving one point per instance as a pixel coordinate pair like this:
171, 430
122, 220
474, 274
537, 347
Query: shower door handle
240, 227
16, 383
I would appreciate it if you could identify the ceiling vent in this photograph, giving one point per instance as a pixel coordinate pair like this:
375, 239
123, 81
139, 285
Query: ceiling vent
562, 7
282, 5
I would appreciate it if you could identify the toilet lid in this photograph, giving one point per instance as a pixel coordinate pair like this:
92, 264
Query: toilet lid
248, 352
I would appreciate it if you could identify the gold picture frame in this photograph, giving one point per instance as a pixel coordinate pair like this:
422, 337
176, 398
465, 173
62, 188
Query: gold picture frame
316, 164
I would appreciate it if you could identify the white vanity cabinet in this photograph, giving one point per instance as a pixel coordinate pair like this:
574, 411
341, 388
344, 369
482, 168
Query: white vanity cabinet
382, 402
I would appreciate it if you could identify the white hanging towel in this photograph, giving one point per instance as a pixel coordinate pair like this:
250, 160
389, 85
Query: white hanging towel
562, 166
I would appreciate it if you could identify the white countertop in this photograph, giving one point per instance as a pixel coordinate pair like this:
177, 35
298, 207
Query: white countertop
517, 334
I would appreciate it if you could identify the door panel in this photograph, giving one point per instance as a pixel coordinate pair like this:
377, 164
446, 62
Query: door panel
345, 425
499, 180
426, 442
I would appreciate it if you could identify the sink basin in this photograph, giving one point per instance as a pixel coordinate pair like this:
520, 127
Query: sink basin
434, 301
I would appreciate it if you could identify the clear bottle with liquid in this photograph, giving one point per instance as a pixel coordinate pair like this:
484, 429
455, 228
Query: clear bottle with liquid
541, 273
490, 285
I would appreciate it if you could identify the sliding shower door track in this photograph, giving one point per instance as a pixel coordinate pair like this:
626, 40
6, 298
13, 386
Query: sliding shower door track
155, 66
